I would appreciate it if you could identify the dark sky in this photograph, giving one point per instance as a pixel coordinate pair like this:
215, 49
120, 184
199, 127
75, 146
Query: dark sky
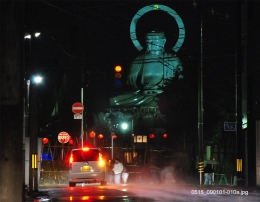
94, 36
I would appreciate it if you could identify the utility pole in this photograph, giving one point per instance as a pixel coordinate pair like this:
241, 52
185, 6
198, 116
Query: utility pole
33, 109
132, 140
239, 139
33, 120
82, 118
200, 103
33, 129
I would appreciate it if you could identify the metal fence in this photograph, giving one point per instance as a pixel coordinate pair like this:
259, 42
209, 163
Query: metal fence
54, 173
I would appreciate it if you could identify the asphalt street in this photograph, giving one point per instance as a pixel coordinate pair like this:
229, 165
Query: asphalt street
144, 192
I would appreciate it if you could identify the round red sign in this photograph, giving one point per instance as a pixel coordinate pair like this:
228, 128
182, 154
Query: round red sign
63, 137
77, 108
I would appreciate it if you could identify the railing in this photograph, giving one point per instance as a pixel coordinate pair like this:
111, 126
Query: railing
54, 173
48, 178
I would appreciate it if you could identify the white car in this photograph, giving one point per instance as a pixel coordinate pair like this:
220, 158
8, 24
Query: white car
86, 166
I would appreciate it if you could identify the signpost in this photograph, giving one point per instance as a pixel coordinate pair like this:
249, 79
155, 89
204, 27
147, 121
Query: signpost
229, 126
63, 137
77, 108
77, 116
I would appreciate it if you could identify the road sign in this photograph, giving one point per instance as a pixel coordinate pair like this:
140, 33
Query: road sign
229, 126
77, 108
77, 116
63, 137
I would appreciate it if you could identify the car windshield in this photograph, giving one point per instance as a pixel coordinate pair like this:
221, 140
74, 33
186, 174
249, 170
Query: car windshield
83, 156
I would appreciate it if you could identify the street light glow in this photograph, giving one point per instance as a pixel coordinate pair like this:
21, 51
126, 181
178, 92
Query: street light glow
37, 34
37, 79
124, 126
27, 35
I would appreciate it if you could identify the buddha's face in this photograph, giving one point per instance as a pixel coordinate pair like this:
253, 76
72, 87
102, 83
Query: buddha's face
155, 43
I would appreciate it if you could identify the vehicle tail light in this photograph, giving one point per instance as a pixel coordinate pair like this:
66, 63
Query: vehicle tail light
71, 158
85, 149
71, 161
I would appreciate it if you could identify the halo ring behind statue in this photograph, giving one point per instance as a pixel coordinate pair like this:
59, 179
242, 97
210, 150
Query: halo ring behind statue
155, 7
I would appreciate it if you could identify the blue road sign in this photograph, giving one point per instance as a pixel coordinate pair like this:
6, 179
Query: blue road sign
229, 126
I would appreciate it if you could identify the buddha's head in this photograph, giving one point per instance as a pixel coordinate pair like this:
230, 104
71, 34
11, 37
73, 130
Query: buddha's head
155, 41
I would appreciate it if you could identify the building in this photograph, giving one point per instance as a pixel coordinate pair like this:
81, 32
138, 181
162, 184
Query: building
251, 68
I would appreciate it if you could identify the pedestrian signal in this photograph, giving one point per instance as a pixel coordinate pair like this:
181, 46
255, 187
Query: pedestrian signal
118, 76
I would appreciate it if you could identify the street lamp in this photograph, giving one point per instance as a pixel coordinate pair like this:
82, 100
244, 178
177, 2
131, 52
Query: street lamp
37, 79
26, 132
124, 126
27, 35
31, 145
30, 123
110, 118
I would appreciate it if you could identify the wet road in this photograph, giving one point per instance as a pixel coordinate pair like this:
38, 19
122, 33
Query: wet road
143, 193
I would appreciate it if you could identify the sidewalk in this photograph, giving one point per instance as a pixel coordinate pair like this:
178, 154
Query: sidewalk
37, 196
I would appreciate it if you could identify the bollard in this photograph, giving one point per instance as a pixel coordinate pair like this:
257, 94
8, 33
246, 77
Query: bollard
235, 180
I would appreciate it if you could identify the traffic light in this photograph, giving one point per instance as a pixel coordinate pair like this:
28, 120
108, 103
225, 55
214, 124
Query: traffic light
118, 76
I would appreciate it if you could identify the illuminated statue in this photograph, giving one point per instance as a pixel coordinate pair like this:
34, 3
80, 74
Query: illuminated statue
149, 72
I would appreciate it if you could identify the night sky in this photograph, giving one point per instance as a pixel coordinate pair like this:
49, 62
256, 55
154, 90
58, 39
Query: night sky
91, 37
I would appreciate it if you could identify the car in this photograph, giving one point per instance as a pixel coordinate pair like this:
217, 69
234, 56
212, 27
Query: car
86, 165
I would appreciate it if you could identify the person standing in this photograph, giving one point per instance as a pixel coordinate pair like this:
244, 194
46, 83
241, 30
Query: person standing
110, 173
208, 174
117, 169
124, 175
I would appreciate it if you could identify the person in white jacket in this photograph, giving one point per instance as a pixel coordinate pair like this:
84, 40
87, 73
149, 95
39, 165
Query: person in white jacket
117, 169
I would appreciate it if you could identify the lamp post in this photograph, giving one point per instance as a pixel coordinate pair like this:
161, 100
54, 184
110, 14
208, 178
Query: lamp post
112, 144
111, 119
28, 65
132, 138
125, 127
26, 133
33, 131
